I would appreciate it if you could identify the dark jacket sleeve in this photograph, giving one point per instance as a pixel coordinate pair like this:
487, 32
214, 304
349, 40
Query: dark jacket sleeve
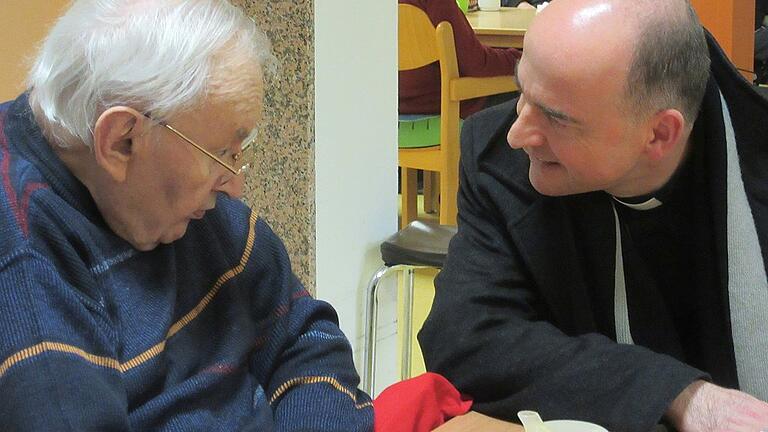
487, 334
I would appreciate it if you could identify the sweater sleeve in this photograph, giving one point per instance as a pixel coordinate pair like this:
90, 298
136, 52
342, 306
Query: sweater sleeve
306, 361
474, 58
487, 333
58, 368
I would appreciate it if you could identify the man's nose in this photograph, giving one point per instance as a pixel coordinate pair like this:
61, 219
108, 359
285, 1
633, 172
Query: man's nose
232, 186
525, 131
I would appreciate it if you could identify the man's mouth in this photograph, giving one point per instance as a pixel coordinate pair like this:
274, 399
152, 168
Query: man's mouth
544, 161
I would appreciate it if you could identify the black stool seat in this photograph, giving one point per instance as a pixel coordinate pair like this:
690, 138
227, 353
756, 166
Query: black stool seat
419, 243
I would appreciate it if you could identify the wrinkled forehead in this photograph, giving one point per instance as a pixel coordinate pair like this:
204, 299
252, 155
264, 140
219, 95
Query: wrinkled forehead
239, 84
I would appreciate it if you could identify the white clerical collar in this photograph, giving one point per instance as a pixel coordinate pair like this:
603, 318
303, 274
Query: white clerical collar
650, 204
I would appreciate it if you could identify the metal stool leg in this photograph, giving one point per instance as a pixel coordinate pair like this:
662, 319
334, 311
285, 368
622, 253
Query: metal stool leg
371, 318
371, 315
405, 359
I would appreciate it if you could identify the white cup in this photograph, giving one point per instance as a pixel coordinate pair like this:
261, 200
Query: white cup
573, 426
489, 5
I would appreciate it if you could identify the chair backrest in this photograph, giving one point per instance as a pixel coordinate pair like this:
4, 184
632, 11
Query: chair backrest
415, 38
419, 44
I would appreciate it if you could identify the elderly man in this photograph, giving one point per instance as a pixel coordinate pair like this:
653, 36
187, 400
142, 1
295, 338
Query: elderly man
136, 291
613, 231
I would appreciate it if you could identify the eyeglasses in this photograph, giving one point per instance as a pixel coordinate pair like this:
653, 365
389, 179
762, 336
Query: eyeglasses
241, 160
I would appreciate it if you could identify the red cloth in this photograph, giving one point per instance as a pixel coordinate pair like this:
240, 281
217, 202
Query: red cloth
420, 88
418, 404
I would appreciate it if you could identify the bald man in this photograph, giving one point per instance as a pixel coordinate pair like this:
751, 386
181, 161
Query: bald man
613, 231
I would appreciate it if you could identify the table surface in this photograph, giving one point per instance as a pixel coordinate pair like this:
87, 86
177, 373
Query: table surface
506, 21
476, 422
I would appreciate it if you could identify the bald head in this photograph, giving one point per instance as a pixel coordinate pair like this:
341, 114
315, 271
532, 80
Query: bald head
655, 50
570, 23
580, 41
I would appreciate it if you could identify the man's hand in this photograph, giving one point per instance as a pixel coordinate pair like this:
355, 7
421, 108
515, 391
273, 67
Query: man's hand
705, 407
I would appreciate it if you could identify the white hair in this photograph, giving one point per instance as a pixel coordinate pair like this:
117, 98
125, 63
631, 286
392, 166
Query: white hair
158, 56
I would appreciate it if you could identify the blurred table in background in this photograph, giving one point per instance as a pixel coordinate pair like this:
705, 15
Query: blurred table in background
476, 422
503, 28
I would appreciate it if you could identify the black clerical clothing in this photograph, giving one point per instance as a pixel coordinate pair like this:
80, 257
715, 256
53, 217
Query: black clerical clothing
523, 316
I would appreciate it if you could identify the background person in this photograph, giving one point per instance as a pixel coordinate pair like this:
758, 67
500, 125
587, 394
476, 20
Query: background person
419, 89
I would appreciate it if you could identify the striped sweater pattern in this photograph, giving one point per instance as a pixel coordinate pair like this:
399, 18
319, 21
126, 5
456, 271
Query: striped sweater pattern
212, 332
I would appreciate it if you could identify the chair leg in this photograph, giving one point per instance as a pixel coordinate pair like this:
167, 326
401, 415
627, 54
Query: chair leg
436, 179
407, 349
449, 188
409, 209
429, 206
371, 315
368, 379
431, 191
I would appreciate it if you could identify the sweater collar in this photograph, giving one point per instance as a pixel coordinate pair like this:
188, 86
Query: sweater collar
30, 142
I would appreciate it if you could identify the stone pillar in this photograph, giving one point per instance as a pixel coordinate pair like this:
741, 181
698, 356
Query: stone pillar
281, 187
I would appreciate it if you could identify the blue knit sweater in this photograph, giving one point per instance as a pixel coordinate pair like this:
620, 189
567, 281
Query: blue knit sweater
211, 332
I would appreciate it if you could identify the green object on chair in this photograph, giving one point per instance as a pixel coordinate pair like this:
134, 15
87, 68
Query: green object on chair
419, 131
463, 5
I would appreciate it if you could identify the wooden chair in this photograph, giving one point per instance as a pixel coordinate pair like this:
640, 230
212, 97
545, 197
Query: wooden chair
420, 44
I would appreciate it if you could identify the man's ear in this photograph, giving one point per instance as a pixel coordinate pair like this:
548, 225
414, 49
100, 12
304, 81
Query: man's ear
113, 139
667, 128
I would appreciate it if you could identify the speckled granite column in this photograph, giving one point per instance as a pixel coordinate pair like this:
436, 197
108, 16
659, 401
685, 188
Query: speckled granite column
281, 187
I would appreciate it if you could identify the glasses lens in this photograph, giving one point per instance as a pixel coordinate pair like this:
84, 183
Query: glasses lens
246, 156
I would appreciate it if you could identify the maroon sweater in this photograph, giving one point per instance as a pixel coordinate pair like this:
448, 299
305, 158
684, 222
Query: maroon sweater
420, 88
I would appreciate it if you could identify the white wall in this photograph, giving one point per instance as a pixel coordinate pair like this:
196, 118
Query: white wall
356, 150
